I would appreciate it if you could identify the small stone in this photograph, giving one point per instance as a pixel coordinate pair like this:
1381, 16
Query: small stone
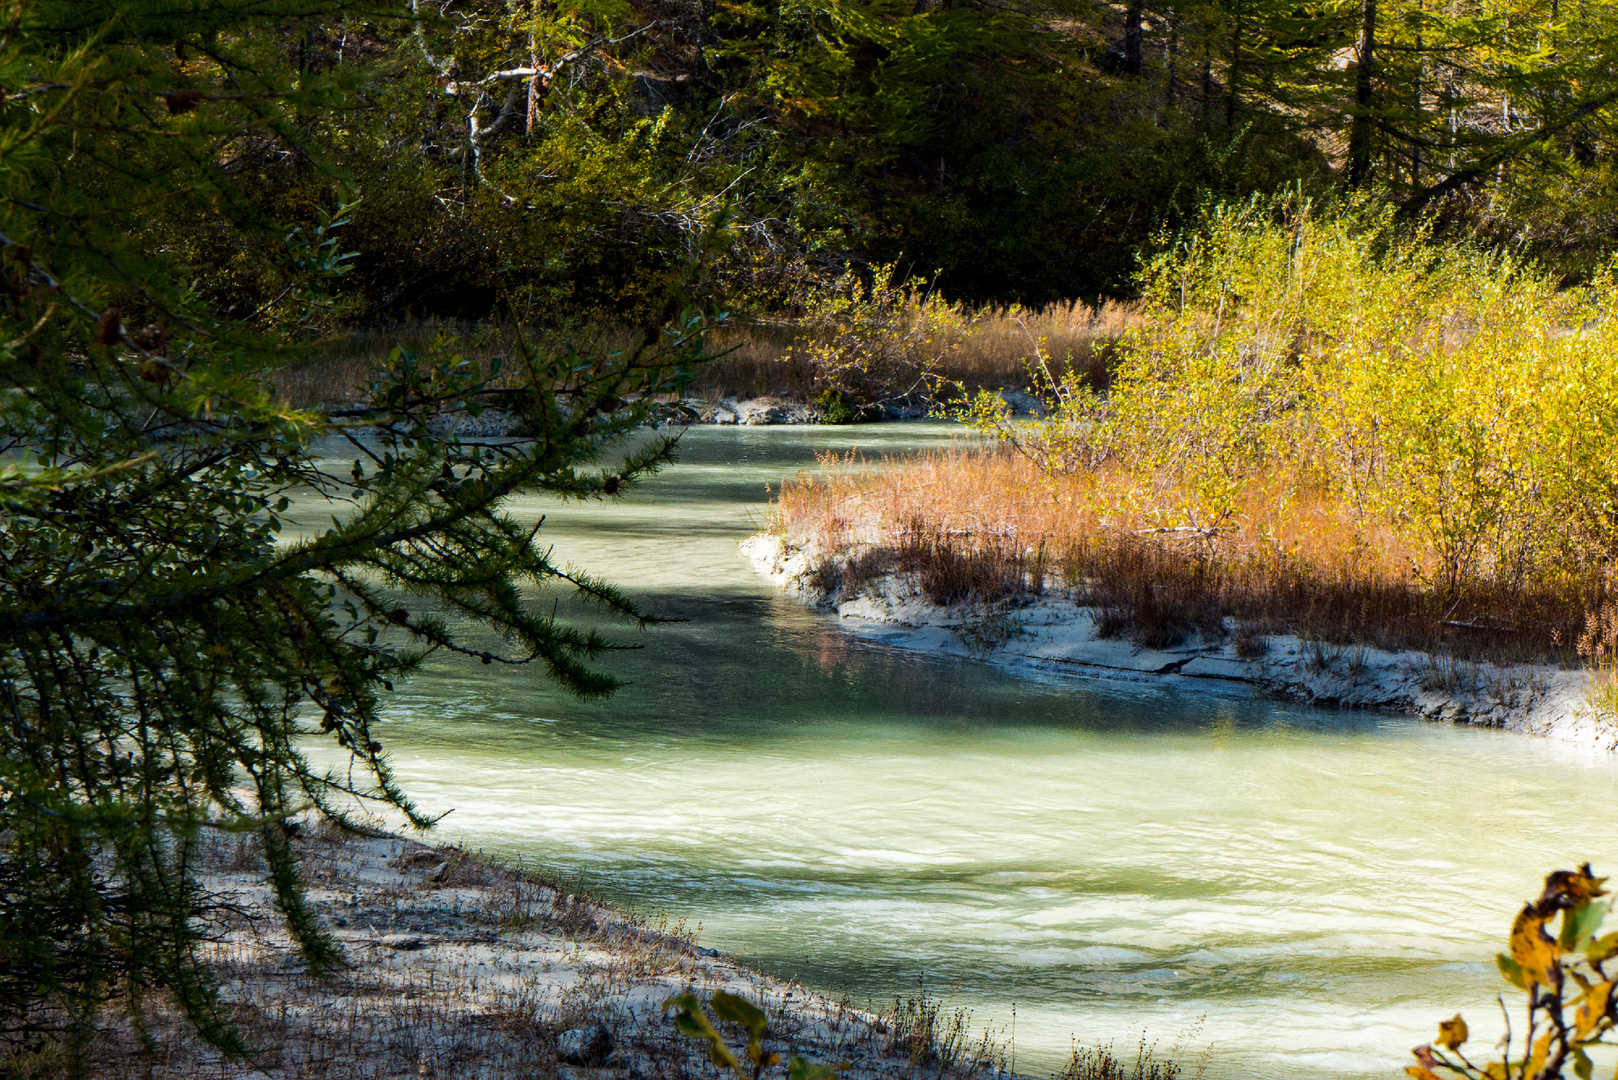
402, 942
585, 1046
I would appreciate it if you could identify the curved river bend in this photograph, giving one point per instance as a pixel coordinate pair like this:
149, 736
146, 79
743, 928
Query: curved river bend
1321, 887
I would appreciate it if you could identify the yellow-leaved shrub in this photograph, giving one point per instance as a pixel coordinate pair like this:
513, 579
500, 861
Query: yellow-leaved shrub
1453, 394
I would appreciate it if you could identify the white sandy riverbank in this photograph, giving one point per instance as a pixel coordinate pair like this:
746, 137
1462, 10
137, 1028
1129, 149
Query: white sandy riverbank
459, 966
1052, 633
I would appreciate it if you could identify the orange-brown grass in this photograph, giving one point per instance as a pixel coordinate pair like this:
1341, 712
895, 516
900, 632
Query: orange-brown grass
1000, 342
754, 358
985, 524
987, 349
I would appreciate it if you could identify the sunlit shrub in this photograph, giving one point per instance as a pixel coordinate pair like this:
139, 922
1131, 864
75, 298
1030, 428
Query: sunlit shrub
1447, 401
1453, 392
873, 343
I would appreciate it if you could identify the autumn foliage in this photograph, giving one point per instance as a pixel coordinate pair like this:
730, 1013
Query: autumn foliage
1316, 422
1570, 1007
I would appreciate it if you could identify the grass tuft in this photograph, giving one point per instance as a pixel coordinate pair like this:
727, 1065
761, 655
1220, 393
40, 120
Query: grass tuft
1102, 1063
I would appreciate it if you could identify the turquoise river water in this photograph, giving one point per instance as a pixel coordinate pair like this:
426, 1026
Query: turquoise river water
1319, 887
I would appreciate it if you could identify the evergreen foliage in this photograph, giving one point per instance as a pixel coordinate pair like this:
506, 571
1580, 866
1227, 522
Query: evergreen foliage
177, 175
564, 158
166, 652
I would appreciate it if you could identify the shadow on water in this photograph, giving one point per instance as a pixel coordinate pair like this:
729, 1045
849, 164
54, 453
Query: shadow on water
758, 667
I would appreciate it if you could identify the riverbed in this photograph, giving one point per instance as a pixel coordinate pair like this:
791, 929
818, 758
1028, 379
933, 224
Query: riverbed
1307, 892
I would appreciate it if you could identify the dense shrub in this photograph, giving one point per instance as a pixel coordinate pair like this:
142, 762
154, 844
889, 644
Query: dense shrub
1341, 406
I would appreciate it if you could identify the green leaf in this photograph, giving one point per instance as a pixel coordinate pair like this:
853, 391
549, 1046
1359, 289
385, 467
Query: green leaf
1512, 971
693, 1022
1580, 924
738, 1010
1582, 1067
801, 1068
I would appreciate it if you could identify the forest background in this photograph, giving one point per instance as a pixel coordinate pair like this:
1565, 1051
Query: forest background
565, 162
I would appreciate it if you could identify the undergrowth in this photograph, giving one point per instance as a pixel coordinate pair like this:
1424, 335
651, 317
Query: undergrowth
938, 1040
1103, 1063
850, 350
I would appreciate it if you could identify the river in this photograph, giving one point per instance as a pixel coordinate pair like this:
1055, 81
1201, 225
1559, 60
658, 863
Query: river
1307, 892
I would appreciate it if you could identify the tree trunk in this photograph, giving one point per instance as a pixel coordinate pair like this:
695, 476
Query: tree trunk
1415, 147
1132, 35
1359, 135
1233, 81
1173, 66
533, 82
1207, 82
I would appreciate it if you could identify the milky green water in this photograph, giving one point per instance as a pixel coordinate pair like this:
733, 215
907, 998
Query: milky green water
1320, 887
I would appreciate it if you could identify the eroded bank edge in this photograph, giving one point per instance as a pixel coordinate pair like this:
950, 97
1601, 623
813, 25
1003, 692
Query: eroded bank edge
1055, 634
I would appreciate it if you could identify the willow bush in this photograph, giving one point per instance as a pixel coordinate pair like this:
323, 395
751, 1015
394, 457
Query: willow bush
866, 346
1455, 395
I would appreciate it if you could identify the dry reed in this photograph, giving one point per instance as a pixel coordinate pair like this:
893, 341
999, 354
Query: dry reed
1102, 1063
981, 525
752, 358
977, 349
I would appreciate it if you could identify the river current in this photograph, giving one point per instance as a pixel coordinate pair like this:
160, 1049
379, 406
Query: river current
1296, 892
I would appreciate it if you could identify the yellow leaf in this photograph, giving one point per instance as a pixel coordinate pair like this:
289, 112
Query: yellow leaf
1420, 1073
1542, 1050
1594, 1007
1452, 1033
1532, 948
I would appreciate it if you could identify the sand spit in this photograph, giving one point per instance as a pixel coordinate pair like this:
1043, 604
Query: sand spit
462, 967
1052, 633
